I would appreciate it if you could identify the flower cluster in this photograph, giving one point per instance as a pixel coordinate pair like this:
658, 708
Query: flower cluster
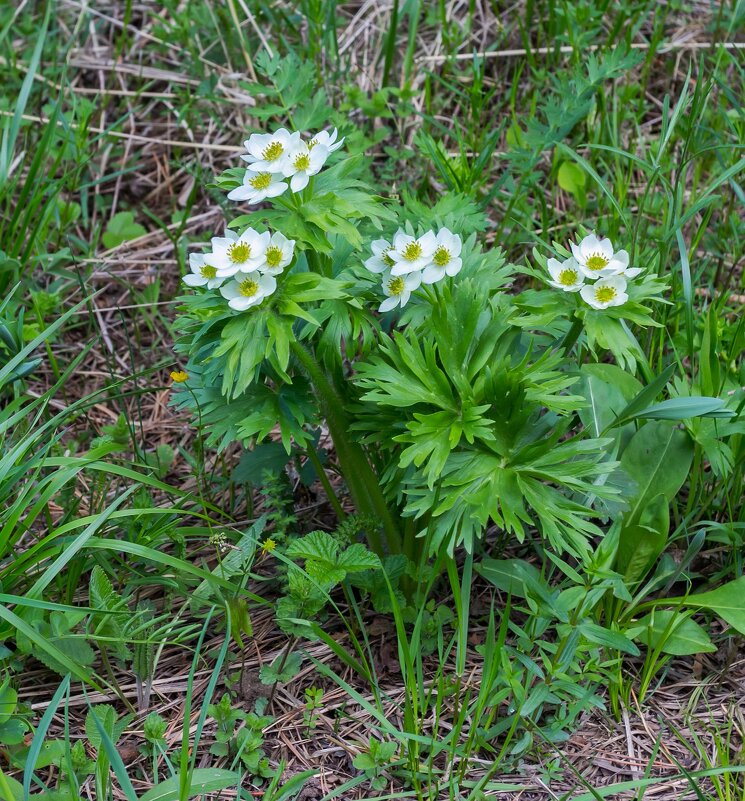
249, 263
274, 157
409, 261
594, 260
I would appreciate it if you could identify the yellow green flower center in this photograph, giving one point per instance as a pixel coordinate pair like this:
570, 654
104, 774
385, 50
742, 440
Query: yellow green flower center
396, 285
386, 257
441, 256
208, 271
412, 251
261, 181
596, 262
568, 277
239, 253
302, 162
273, 256
273, 151
312, 144
605, 294
248, 288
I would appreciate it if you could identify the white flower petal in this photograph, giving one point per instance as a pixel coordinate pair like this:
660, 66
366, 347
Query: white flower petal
454, 267
432, 274
194, 280
389, 303
299, 181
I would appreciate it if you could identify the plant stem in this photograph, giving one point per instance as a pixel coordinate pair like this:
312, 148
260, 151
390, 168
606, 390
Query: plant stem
360, 478
572, 336
324, 479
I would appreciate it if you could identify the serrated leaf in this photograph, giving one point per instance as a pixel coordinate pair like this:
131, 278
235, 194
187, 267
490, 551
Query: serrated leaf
282, 670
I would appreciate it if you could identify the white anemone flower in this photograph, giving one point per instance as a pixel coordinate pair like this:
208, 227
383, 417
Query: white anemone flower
232, 253
266, 152
328, 140
411, 254
597, 259
381, 260
202, 274
278, 254
301, 162
258, 186
248, 289
446, 258
606, 292
565, 275
398, 288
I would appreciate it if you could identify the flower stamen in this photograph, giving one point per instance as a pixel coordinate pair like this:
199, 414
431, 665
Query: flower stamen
412, 251
261, 181
596, 262
441, 257
248, 288
396, 286
239, 253
273, 256
605, 294
273, 151
568, 277
302, 162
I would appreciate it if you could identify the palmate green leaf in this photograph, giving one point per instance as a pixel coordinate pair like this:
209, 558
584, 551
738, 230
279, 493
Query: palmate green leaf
405, 373
603, 332
672, 632
307, 287
434, 436
244, 345
476, 487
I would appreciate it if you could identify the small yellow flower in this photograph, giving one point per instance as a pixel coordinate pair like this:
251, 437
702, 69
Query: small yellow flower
179, 376
268, 545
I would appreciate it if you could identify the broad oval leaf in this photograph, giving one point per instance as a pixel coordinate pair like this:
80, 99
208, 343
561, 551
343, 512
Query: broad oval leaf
673, 632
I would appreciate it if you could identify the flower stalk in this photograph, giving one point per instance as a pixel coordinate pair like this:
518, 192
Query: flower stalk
360, 477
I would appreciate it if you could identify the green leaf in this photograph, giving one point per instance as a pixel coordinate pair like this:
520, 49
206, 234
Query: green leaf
107, 718
641, 542
122, 228
572, 179
728, 601
605, 394
265, 457
357, 558
513, 576
282, 670
685, 408
201, 781
658, 459
673, 632
607, 638
8, 700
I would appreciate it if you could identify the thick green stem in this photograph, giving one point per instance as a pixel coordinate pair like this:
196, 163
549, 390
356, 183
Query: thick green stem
360, 478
